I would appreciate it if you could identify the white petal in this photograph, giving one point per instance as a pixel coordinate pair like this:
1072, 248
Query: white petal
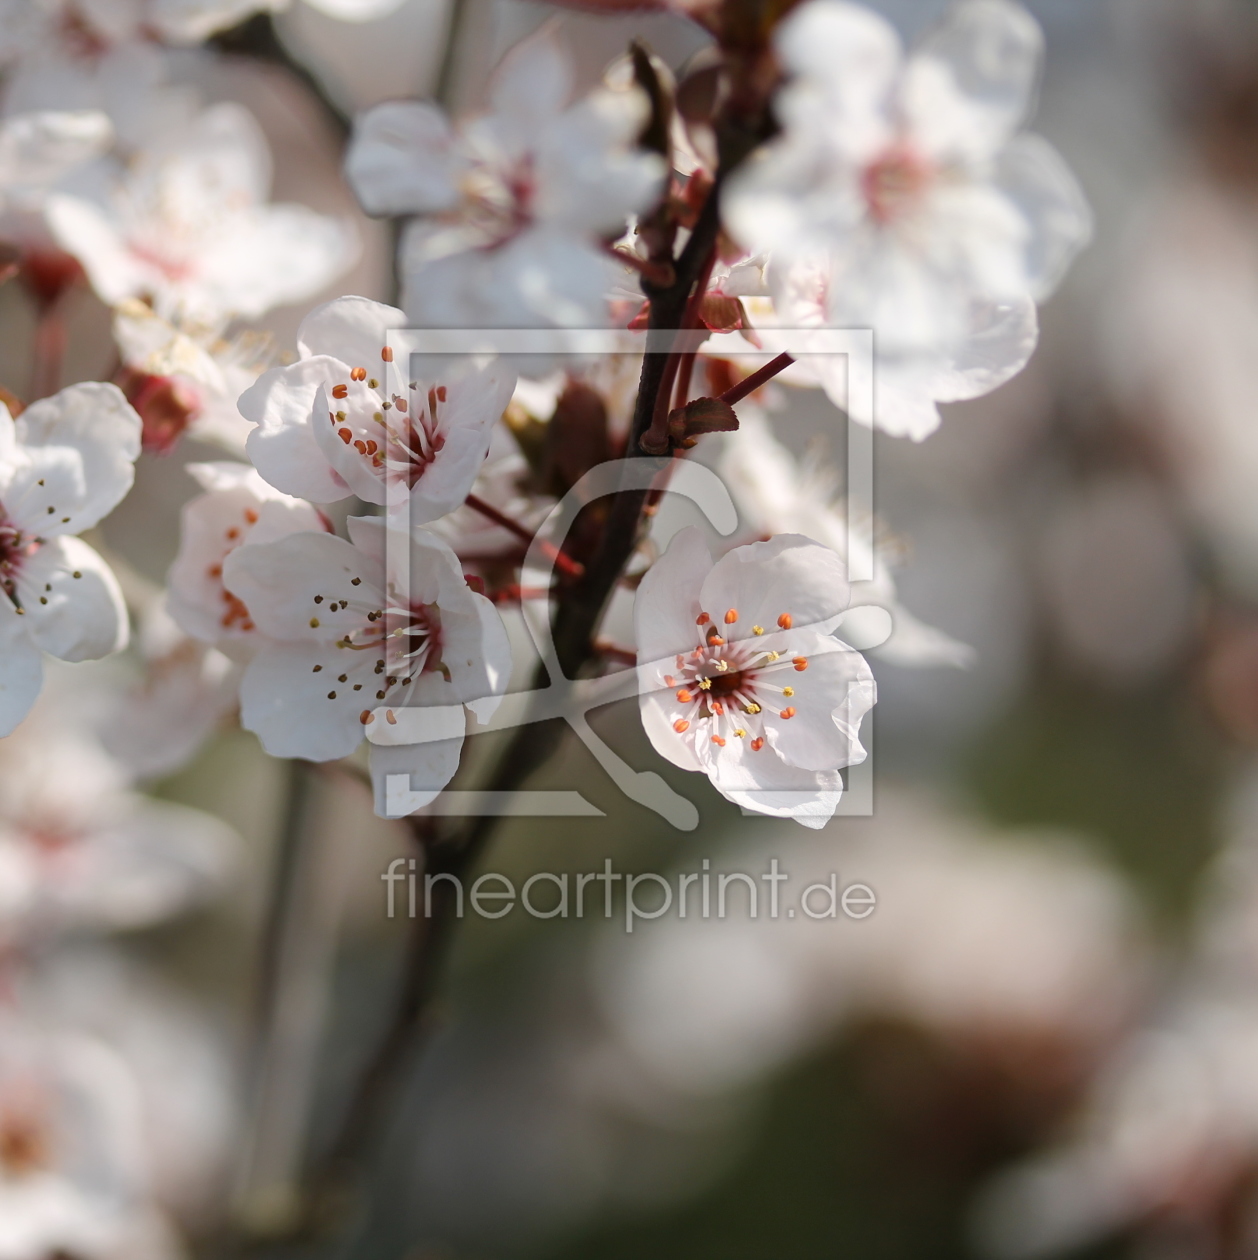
283, 447
287, 705
37, 149
349, 330
971, 84
762, 782
832, 697
530, 86
403, 159
1032, 174
667, 605
355, 10
73, 606
789, 575
293, 587
83, 229
21, 669
428, 768
82, 444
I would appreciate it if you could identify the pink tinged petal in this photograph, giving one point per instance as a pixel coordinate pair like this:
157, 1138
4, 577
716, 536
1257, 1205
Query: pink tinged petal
529, 88
789, 576
1032, 174
336, 445
1001, 340
831, 698
82, 444
283, 447
73, 606
971, 84
403, 159
295, 587
350, 330
418, 773
667, 605
21, 668
298, 711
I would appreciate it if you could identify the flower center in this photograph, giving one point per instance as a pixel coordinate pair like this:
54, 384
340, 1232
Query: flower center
894, 182
731, 689
24, 1143
15, 547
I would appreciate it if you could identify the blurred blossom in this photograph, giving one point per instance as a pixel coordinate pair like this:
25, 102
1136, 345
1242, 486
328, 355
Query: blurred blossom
1184, 330
901, 197
511, 203
1116, 578
626, 1088
188, 225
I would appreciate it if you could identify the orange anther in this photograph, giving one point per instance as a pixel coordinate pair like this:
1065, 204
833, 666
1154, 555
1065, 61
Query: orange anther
388, 717
731, 616
757, 744
340, 391
715, 640
787, 713
366, 717
387, 354
702, 619
681, 726
718, 741
669, 680
684, 697
441, 393
251, 515
785, 621
800, 663
718, 708
345, 435
358, 374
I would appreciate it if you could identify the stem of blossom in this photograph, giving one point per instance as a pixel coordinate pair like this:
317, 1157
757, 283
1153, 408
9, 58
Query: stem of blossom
609, 651
660, 273
564, 563
48, 351
749, 384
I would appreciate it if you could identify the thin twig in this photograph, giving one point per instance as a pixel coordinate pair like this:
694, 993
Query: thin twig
749, 384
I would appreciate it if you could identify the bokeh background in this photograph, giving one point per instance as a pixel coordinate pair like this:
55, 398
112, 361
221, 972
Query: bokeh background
1045, 1040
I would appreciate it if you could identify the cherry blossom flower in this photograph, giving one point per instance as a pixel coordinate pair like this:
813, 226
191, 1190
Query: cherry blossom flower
782, 495
78, 849
514, 205
188, 226
329, 425
904, 190
344, 634
65, 463
38, 149
741, 678
237, 509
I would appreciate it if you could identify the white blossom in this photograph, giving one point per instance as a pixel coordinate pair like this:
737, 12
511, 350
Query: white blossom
188, 226
741, 677
514, 204
903, 190
343, 635
334, 423
65, 463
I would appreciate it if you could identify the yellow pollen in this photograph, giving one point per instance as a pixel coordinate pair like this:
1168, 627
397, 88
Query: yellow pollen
314, 623
757, 629
753, 707
723, 666
705, 684
788, 691
741, 733
774, 656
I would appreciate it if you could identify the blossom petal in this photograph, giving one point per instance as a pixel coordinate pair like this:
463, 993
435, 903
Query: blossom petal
21, 669
428, 768
69, 459
285, 701
1036, 179
402, 159
295, 587
834, 694
668, 604
971, 84
283, 447
73, 606
350, 330
788, 576
530, 86
765, 784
